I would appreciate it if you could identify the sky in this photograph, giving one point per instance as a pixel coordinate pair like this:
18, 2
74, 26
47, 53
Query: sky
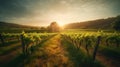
43, 12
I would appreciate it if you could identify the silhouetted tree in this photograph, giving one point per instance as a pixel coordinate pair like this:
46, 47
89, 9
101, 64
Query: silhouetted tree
54, 27
116, 24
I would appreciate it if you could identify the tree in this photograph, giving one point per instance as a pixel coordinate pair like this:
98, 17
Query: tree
116, 24
54, 27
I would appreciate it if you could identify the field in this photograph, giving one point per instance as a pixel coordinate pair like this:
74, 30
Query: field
69, 48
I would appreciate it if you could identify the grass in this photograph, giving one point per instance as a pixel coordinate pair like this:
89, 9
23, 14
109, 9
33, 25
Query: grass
15, 62
111, 52
79, 58
7, 49
8, 43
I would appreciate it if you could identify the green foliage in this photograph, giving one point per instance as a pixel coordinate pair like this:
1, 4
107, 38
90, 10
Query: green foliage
54, 27
92, 24
116, 24
78, 56
90, 41
29, 40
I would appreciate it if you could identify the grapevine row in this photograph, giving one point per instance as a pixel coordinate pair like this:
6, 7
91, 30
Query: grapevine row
28, 40
91, 41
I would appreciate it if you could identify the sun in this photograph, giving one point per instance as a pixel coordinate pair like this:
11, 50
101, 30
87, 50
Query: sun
61, 23
61, 19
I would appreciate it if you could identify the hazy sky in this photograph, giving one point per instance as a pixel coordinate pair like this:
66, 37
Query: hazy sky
43, 12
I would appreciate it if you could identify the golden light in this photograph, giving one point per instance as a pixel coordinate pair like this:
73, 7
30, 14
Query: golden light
61, 23
60, 19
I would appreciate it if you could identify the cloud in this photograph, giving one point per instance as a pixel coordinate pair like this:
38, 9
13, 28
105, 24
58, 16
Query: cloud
44, 11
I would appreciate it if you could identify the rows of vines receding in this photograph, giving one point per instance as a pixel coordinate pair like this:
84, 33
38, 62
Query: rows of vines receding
92, 40
28, 40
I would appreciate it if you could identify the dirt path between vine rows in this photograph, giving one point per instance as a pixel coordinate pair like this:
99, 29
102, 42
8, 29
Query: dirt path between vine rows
54, 55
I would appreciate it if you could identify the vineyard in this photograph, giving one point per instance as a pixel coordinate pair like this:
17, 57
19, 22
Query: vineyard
93, 43
22, 44
59, 33
65, 49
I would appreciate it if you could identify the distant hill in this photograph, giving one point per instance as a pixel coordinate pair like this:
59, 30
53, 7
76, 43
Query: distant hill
17, 28
93, 24
5, 25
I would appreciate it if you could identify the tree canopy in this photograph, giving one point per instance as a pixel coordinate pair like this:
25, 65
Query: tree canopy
54, 27
116, 24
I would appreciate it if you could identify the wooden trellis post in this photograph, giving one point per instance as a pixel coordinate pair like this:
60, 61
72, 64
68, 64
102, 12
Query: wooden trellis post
96, 47
2, 40
23, 44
